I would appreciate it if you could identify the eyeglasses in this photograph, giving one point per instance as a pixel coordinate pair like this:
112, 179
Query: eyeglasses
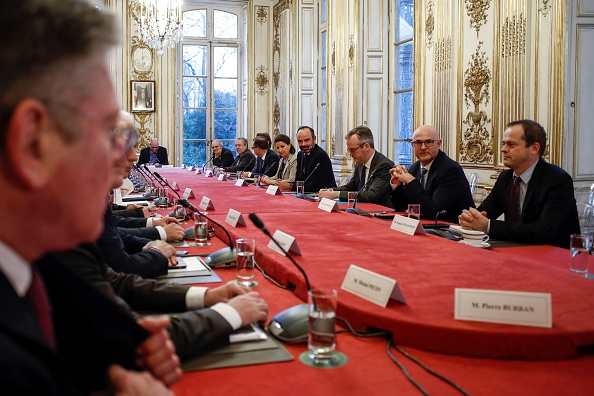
352, 150
130, 135
419, 143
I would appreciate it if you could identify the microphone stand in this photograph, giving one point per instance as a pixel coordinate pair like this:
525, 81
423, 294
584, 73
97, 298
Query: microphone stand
356, 210
302, 196
158, 200
225, 257
210, 160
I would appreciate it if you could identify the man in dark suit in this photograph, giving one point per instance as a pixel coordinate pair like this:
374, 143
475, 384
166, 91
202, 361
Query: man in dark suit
373, 185
536, 197
57, 334
222, 156
154, 154
192, 327
245, 160
267, 161
435, 181
313, 164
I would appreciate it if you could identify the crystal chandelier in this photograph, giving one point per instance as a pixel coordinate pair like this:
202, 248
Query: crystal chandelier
160, 23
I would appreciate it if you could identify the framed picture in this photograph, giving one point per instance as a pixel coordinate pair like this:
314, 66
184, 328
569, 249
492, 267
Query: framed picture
143, 96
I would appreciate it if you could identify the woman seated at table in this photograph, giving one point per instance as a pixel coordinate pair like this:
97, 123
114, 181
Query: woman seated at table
288, 166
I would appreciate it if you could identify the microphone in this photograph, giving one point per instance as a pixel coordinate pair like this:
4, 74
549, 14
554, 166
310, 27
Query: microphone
248, 164
210, 160
167, 184
302, 196
356, 210
270, 167
435, 225
290, 325
225, 257
151, 175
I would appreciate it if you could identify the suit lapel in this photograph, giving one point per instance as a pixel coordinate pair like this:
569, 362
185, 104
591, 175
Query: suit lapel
533, 185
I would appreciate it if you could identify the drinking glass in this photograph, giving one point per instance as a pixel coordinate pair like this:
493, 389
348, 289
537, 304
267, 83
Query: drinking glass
321, 340
414, 211
300, 187
200, 231
352, 199
179, 212
163, 197
580, 249
245, 248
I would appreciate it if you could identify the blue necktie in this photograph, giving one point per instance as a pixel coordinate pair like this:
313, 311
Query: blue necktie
422, 178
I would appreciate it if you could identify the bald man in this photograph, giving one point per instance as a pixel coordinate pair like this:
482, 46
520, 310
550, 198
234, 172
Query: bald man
441, 186
153, 154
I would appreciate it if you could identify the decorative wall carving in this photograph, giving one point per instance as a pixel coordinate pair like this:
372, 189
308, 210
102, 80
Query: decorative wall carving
262, 14
351, 52
276, 115
544, 9
477, 144
429, 24
477, 11
513, 36
261, 80
333, 58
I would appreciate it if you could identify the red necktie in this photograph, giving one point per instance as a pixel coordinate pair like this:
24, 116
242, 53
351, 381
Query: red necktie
513, 212
36, 299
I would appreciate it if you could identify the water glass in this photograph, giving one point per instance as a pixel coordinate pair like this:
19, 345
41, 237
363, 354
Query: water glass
179, 212
352, 199
200, 231
414, 211
321, 340
300, 185
245, 249
163, 197
581, 246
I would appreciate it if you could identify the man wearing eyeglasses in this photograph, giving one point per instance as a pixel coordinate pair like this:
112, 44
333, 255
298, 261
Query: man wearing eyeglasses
267, 161
435, 181
222, 156
154, 154
371, 175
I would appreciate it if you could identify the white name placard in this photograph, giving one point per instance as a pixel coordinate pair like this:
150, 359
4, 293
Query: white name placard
235, 218
375, 288
287, 241
206, 203
407, 225
274, 190
328, 205
197, 171
222, 177
208, 173
175, 187
508, 307
188, 193
240, 182
117, 196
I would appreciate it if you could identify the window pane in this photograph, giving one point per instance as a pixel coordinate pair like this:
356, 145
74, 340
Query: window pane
194, 124
195, 23
229, 144
324, 85
194, 94
225, 124
323, 123
225, 61
403, 153
224, 25
225, 93
194, 153
403, 126
194, 60
405, 15
323, 53
404, 66
324, 10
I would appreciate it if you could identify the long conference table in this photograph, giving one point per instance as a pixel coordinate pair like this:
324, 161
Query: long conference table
483, 358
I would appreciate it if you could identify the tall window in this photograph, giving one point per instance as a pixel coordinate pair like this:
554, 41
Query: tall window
323, 73
403, 79
210, 75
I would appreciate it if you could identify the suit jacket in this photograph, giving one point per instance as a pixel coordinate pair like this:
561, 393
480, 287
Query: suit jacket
123, 252
446, 189
289, 171
243, 163
190, 331
268, 166
136, 226
378, 182
226, 158
549, 213
323, 176
91, 331
145, 156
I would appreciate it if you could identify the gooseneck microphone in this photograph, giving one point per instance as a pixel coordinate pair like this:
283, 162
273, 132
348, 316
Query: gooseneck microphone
258, 223
437, 216
354, 209
248, 164
166, 183
225, 257
207, 162
311, 173
364, 186
270, 167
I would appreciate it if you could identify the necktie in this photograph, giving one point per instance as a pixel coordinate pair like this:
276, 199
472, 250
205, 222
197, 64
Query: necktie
513, 213
36, 299
281, 169
362, 177
422, 178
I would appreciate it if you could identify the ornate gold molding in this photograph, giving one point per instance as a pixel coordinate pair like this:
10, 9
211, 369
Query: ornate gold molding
262, 14
429, 24
544, 9
142, 119
141, 60
477, 11
351, 53
477, 144
261, 80
276, 114
333, 58
513, 37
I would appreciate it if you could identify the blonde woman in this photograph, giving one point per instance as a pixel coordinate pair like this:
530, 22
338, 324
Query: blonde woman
287, 169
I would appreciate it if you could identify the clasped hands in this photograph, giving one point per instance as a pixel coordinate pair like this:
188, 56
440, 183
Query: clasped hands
472, 219
400, 175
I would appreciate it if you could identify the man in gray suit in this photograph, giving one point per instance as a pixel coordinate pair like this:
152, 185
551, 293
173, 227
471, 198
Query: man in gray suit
371, 175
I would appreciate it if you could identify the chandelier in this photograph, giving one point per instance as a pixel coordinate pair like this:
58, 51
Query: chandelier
160, 23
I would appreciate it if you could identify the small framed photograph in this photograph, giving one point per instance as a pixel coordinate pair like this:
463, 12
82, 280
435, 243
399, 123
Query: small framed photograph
143, 96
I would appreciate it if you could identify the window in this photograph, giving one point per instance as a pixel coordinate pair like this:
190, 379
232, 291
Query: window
210, 72
323, 74
403, 80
